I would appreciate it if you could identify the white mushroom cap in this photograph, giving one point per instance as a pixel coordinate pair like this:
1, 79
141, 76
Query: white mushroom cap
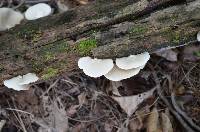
9, 18
21, 82
38, 11
29, 78
117, 74
14, 83
132, 61
198, 36
95, 67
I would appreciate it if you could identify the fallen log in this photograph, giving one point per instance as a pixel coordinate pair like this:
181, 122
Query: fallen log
104, 29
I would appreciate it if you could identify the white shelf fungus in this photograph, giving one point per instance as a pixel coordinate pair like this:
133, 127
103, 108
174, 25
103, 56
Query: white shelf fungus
37, 11
117, 74
132, 61
198, 36
21, 82
9, 18
95, 67
125, 67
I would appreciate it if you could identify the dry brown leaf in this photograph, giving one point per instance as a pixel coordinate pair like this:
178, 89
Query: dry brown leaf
130, 103
72, 110
169, 55
108, 126
191, 53
57, 118
166, 123
115, 86
136, 124
153, 121
61, 120
82, 99
83, 2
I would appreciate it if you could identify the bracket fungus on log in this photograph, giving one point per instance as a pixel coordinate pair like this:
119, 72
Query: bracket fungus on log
37, 11
124, 68
117, 74
9, 18
21, 82
132, 61
95, 67
198, 36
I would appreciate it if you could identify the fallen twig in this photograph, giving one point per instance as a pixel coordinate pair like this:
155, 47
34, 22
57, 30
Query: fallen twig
182, 113
50, 87
178, 117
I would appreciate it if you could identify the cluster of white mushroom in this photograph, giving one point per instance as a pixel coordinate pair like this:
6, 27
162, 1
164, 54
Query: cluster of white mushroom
123, 68
9, 17
21, 82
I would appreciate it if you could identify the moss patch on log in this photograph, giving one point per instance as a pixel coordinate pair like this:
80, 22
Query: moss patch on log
138, 30
85, 46
31, 34
49, 52
49, 72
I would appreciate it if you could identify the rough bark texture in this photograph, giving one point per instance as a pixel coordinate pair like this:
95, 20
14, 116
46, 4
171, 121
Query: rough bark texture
104, 29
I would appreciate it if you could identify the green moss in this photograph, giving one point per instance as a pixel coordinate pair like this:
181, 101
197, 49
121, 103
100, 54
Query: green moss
197, 53
30, 34
37, 66
176, 37
138, 30
85, 46
36, 36
51, 50
168, 18
49, 56
172, 35
49, 72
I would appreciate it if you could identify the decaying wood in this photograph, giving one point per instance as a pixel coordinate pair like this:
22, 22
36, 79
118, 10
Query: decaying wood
114, 28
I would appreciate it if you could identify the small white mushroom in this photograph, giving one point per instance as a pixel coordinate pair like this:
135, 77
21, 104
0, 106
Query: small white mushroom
38, 11
95, 67
117, 74
132, 61
198, 36
9, 18
21, 82
29, 78
14, 83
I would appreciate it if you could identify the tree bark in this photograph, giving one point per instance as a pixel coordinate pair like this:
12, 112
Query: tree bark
104, 29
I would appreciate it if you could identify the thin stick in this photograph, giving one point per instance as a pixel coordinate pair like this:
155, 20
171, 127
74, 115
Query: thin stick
17, 110
182, 113
50, 87
178, 117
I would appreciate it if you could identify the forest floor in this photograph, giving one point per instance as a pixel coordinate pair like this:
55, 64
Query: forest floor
86, 104
75, 102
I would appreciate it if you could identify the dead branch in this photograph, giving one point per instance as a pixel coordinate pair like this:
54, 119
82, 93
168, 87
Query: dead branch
182, 113
178, 117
